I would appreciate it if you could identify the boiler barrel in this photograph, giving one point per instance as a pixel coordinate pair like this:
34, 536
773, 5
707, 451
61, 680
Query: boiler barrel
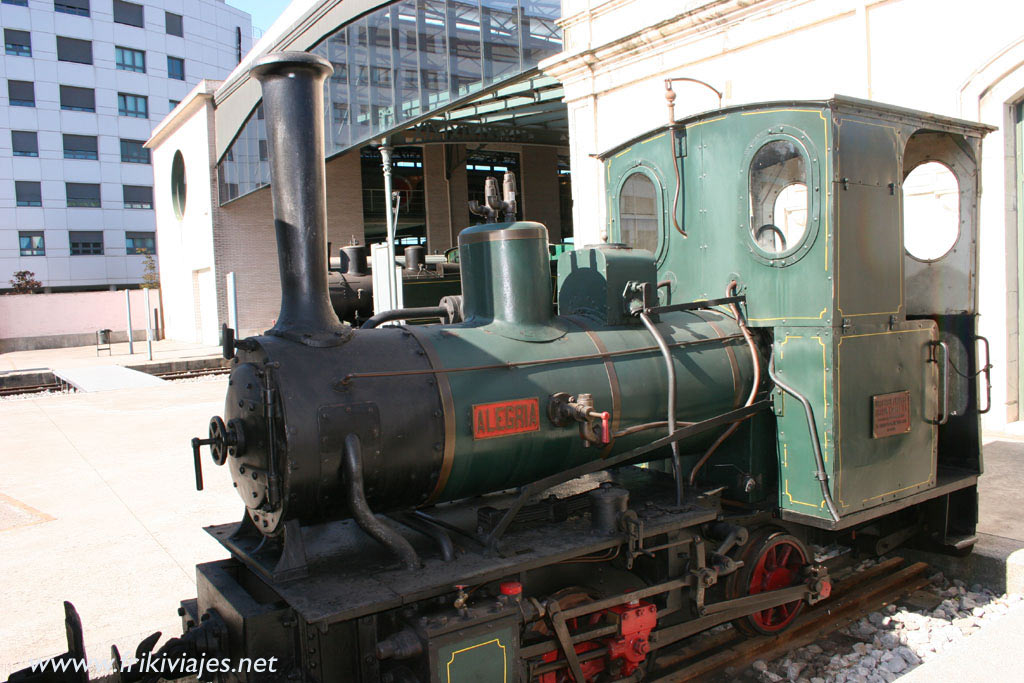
416, 398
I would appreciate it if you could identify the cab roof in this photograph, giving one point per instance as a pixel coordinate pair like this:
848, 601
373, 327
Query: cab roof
837, 103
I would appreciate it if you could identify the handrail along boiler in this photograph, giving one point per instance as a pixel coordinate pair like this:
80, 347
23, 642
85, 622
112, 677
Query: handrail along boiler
537, 497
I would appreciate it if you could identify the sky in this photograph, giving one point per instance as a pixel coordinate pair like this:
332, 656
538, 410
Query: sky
263, 12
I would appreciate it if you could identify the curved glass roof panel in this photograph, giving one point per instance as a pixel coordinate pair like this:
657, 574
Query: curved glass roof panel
401, 63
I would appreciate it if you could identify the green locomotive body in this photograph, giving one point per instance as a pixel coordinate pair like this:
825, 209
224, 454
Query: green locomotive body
749, 367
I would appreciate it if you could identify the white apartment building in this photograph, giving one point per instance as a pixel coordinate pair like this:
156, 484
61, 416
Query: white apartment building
84, 84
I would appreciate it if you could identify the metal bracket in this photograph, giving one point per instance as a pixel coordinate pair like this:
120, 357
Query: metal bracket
635, 542
987, 370
651, 307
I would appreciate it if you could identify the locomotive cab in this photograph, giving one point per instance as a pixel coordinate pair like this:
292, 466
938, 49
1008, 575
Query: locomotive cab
817, 210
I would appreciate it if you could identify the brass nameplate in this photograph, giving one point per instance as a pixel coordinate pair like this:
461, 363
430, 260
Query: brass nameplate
890, 414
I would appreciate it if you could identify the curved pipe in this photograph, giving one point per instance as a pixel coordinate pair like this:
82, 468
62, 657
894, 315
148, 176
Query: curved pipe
670, 371
404, 313
431, 531
755, 359
367, 521
815, 443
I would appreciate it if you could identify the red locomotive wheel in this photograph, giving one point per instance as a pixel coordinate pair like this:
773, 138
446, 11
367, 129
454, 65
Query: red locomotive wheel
772, 560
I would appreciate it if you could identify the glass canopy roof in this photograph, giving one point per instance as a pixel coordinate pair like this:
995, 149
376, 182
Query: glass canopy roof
404, 63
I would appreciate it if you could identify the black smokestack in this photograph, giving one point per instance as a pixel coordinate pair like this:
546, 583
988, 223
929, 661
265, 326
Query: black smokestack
293, 101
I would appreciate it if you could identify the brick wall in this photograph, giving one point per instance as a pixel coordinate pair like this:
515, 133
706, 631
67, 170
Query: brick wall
245, 243
445, 198
344, 200
539, 194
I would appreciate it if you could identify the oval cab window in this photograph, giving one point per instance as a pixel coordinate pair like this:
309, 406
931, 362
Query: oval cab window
778, 196
638, 213
931, 211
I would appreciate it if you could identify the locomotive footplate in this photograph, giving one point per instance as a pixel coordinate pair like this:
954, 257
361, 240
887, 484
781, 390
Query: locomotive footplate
350, 576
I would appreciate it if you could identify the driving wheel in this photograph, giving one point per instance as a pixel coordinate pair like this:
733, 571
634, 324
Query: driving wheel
772, 559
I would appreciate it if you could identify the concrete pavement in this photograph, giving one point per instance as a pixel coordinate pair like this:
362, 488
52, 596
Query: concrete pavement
101, 509
81, 356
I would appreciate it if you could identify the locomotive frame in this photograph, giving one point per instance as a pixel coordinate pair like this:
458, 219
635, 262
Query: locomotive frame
599, 551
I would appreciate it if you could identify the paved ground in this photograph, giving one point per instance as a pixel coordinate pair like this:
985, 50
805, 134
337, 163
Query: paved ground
1000, 489
991, 655
81, 356
98, 506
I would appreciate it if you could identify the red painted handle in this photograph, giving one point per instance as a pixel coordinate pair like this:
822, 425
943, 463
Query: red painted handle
606, 432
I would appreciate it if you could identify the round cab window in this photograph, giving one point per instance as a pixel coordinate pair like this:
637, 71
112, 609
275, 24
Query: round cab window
931, 211
178, 184
778, 196
638, 213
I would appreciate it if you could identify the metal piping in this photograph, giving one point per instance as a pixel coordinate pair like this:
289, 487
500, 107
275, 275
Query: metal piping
293, 98
670, 371
361, 512
820, 475
404, 313
755, 359
391, 216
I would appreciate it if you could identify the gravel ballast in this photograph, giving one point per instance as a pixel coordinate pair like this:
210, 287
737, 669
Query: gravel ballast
890, 642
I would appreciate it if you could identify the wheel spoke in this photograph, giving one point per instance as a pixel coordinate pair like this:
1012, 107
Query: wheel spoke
785, 555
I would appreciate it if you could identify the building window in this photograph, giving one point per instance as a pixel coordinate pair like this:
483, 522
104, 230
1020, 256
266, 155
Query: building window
127, 13
138, 196
179, 184
132, 105
173, 103
132, 152
17, 43
86, 242
21, 93
73, 98
19, 3
78, 7
176, 68
80, 146
173, 24
778, 196
263, 150
128, 59
24, 143
28, 193
31, 243
83, 194
638, 213
140, 243
74, 50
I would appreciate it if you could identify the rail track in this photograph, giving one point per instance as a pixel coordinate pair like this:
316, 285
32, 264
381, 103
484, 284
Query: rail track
168, 375
721, 655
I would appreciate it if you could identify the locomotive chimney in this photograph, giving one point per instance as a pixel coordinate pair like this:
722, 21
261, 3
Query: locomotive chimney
293, 99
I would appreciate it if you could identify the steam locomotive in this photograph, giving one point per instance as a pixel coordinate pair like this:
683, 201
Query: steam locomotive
749, 368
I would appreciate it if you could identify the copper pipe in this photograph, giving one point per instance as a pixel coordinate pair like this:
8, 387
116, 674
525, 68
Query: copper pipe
753, 388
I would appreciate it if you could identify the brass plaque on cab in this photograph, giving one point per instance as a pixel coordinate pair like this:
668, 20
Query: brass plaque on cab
890, 414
